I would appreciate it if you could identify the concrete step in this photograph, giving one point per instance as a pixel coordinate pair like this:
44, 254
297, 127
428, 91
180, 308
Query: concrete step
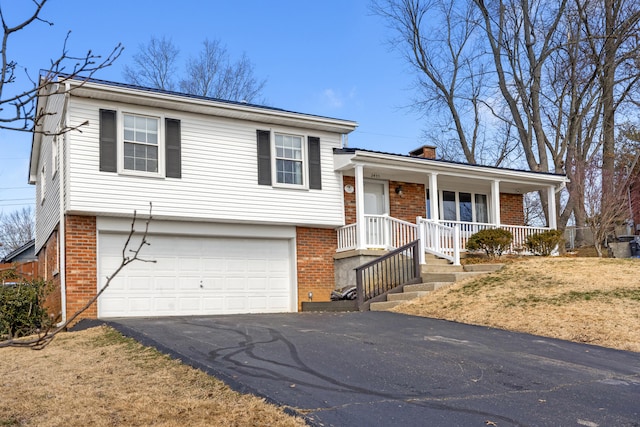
405, 296
449, 277
437, 261
440, 268
487, 268
384, 305
425, 287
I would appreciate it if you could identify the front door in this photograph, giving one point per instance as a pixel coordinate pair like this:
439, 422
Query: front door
375, 203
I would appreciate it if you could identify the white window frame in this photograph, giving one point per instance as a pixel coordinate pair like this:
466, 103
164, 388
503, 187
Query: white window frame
160, 173
457, 202
304, 161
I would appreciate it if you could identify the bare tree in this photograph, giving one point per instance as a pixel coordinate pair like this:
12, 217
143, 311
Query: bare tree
18, 106
16, 229
211, 73
130, 253
155, 65
555, 72
439, 40
606, 209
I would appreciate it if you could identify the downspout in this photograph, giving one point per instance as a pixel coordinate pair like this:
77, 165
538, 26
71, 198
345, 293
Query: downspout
62, 229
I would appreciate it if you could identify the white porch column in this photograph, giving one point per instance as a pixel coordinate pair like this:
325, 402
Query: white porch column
433, 196
551, 195
361, 231
495, 201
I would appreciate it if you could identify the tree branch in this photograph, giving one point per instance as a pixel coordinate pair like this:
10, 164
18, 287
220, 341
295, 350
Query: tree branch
129, 255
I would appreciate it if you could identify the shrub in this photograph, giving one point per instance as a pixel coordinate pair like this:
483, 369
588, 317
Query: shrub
544, 243
21, 306
493, 241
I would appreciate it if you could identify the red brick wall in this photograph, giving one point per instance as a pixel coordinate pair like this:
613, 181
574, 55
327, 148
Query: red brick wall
315, 248
349, 200
49, 269
511, 209
407, 207
81, 262
410, 204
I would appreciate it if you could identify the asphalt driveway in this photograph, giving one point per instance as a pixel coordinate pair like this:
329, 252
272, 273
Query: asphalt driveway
387, 369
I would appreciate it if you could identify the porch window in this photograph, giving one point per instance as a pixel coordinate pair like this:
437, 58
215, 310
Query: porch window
482, 211
449, 211
464, 207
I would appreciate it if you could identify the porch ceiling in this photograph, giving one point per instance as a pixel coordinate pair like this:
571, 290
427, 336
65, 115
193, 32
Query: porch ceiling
450, 175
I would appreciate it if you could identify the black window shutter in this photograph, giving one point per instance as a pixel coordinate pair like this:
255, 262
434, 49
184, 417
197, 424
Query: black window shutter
264, 157
108, 141
315, 171
173, 148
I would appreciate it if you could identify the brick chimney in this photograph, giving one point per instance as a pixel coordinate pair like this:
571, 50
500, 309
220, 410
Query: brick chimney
426, 151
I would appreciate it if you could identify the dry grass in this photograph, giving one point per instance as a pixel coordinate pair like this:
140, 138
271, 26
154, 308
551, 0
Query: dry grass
588, 300
98, 378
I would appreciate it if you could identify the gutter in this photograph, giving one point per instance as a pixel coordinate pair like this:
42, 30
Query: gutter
62, 241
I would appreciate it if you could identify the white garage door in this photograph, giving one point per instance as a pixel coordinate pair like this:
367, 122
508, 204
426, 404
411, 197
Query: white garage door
197, 276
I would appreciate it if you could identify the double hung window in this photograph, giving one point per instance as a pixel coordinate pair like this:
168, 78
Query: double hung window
140, 143
289, 159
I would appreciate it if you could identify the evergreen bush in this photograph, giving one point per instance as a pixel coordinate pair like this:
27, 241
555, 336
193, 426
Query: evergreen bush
22, 310
493, 241
544, 243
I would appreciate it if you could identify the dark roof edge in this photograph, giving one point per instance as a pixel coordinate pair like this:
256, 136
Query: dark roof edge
14, 253
351, 150
198, 97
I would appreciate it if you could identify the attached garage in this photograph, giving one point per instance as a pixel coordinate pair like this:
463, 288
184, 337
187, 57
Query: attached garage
198, 275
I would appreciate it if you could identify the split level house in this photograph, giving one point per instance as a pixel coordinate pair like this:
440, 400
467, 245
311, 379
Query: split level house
253, 207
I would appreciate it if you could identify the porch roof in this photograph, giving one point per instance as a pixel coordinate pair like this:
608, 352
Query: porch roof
399, 167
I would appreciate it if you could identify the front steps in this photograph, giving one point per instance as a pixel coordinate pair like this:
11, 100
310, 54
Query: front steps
435, 274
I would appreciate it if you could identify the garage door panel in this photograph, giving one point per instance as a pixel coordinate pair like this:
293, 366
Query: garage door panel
140, 283
212, 265
194, 275
213, 304
188, 283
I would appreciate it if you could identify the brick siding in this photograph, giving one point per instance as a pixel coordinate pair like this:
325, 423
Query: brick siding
410, 204
315, 248
82, 266
49, 270
511, 209
407, 207
349, 201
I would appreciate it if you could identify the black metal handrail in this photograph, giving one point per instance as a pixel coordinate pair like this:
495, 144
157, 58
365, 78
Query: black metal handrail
395, 269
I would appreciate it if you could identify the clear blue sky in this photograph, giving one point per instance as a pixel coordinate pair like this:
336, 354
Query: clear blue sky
328, 57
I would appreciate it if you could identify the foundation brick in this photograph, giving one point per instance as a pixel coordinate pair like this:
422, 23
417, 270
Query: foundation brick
82, 264
315, 248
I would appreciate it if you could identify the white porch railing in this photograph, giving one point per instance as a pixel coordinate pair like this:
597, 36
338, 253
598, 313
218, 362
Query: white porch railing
439, 239
347, 237
442, 238
520, 232
381, 232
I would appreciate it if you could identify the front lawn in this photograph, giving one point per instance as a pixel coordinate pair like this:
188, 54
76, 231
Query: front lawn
587, 300
99, 378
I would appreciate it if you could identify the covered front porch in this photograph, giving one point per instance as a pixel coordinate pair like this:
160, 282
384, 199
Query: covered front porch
392, 200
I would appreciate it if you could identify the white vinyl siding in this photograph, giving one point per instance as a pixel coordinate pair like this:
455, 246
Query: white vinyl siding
48, 185
219, 175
